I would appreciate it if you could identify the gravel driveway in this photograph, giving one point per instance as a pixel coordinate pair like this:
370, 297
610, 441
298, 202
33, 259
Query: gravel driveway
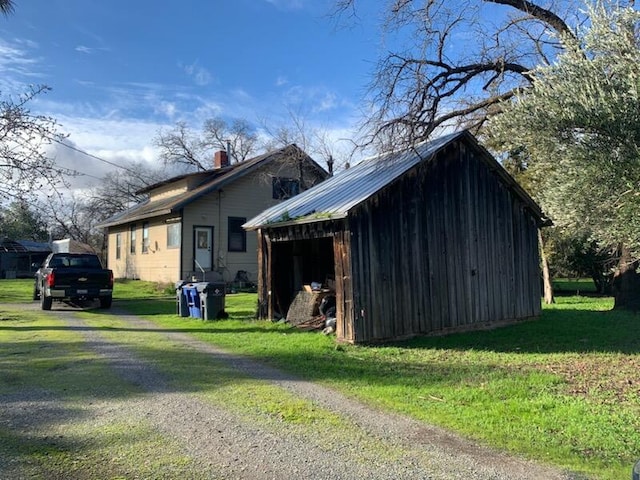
224, 445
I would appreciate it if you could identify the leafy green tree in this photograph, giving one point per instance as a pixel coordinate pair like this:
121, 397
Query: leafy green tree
21, 221
580, 126
576, 254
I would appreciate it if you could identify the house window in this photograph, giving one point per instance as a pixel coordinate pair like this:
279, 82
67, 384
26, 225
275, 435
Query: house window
132, 239
145, 237
284, 188
173, 235
237, 241
118, 245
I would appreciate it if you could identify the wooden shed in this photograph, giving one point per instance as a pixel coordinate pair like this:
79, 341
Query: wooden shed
435, 239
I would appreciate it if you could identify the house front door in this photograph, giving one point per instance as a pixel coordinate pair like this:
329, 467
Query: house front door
203, 248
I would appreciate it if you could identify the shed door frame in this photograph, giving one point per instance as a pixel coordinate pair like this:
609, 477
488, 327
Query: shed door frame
341, 245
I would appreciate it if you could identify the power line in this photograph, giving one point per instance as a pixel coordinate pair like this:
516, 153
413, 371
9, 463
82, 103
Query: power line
93, 156
73, 170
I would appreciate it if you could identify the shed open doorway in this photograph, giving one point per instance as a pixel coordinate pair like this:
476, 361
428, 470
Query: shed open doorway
298, 263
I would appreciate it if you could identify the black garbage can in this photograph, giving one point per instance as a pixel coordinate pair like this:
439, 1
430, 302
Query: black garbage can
182, 307
211, 299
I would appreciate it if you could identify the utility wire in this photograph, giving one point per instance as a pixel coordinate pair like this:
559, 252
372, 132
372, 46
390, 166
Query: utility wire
73, 170
60, 142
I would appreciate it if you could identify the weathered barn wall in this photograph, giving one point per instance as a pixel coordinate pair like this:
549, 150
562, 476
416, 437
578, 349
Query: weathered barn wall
444, 247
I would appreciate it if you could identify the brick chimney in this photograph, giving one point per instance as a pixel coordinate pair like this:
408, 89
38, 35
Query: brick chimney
221, 159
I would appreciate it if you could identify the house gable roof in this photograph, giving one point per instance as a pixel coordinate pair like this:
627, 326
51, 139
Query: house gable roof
205, 182
336, 196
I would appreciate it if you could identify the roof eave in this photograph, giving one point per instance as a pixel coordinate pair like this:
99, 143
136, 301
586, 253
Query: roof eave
314, 218
135, 218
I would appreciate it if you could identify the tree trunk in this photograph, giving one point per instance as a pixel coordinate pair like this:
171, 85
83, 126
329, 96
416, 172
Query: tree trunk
626, 282
546, 276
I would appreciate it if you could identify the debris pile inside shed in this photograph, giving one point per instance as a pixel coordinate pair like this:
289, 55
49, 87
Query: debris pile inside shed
313, 310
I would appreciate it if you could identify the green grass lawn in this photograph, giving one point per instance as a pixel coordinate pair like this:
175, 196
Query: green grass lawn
564, 389
574, 285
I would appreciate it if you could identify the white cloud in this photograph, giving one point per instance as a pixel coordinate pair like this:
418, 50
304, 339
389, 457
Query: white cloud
328, 102
288, 4
83, 49
90, 50
18, 66
168, 109
108, 143
281, 81
200, 75
315, 98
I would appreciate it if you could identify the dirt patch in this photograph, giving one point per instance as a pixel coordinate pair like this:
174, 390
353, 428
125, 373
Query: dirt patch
605, 378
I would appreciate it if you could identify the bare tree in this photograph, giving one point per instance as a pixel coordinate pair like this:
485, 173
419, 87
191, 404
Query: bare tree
191, 150
458, 61
78, 216
313, 140
25, 168
120, 189
238, 137
181, 147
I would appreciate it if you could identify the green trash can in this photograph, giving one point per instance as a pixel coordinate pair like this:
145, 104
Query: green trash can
212, 295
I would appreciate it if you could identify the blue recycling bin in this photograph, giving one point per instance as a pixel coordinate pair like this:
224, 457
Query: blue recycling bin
192, 296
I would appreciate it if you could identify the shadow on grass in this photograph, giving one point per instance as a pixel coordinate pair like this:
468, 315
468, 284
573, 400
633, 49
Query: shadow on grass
205, 328
567, 329
556, 331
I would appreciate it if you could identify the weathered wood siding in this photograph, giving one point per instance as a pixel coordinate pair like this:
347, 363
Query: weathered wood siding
443, 248
344, 290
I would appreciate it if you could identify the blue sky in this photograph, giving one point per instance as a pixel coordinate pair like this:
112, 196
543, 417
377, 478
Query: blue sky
122, 70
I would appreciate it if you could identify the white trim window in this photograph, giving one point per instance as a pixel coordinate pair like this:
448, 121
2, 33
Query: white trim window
118, 246
145, 237
173, 235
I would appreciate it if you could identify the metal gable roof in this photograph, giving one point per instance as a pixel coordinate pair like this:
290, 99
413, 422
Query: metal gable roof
334, 197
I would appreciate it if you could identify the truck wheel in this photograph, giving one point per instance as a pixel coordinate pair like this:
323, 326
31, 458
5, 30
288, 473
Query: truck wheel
45, 301
105, 302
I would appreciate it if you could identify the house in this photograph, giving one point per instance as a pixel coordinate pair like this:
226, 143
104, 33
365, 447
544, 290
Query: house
17, 257
435, 239
191, 225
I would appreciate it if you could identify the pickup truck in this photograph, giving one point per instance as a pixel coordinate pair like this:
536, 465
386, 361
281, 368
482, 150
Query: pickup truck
70, 277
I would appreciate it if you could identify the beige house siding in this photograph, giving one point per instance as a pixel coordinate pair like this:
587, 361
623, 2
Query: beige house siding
158, 264
175, 188
168, 191
243, 197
